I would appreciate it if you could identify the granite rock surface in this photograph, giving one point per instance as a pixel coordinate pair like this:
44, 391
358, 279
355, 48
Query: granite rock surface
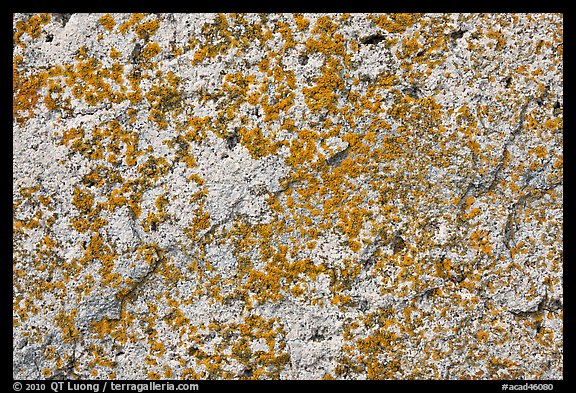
293, 196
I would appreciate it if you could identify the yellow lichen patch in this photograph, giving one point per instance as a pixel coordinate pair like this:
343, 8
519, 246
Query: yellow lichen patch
395, 23
146, 30
323, 96
115, 54
217, 31
134, 18
25, 92
326, 43
402, 197
164, 98
498, 37
256, 143
479, 239
149, 51
254, 364
32, 26
301, 22
65, 321
83, 200
107, 21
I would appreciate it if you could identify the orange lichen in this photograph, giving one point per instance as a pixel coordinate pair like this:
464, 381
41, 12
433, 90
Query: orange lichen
32, 27
371, 165
107, 21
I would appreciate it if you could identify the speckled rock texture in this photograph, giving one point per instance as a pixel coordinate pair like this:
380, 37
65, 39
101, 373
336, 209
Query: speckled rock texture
292, 196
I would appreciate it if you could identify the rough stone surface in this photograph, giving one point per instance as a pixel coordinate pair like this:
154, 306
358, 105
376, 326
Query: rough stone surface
349, 196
